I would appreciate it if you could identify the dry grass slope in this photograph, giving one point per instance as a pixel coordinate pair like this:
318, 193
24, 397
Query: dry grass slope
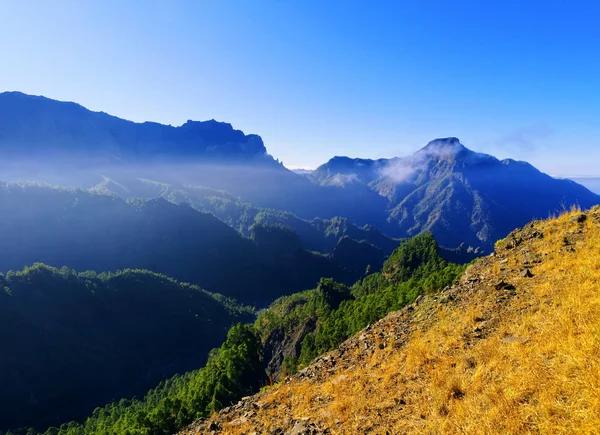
502, 352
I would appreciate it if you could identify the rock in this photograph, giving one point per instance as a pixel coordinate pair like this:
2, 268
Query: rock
526, 273
504, 286
300, 428
339, 379
578, 219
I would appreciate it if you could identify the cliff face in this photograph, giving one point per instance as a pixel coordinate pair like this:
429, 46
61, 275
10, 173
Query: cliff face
39, 125
511, 348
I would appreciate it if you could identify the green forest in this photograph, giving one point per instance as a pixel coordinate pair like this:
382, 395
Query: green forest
74, 340
333, 312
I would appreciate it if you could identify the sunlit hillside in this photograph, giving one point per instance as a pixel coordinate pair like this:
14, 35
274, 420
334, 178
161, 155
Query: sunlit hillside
514, 347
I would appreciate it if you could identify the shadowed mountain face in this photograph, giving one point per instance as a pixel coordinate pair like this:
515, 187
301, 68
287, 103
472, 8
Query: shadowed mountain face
89, 231
455, 193
49, 127
74, 341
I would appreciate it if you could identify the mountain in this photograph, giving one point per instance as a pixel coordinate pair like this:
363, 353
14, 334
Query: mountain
592, 183
299, 327
74, 341
63, 143
91, 231
461, 196
317, 234
511, 348
458, 195
49, 128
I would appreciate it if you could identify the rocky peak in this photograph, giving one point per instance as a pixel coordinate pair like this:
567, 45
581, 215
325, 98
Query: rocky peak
442, 148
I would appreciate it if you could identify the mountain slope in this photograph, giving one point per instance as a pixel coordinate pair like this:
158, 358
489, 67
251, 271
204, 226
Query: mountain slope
63, 143
512, 348
458, 195
317, 234
90, 231
73, 341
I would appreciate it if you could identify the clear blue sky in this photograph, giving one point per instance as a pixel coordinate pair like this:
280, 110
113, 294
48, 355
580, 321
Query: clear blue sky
321, 78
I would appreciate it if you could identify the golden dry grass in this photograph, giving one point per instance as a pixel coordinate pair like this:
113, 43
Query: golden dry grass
536, 369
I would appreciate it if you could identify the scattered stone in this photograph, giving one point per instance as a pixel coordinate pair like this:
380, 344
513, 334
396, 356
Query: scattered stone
511, 340
339, 379
578, 219
502, 285
300, 428
526, 273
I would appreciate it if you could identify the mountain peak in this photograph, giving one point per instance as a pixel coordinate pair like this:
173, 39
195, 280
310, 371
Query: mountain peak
442, 147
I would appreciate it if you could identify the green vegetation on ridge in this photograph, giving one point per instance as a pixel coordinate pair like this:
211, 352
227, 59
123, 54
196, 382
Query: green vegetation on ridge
333, 312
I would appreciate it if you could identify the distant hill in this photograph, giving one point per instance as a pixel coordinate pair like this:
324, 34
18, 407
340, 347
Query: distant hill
459, 195
92, 231
317, 234
66, 144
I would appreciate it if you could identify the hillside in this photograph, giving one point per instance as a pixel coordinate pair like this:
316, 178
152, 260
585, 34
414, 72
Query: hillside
90, 231
73, 341
297, 328
317, 234
512, 348
457, 194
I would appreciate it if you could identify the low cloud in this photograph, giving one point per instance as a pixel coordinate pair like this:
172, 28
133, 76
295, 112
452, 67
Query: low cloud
405, 169
401, 170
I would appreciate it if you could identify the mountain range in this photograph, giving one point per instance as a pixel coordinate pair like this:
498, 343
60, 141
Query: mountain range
461, 196
48, 128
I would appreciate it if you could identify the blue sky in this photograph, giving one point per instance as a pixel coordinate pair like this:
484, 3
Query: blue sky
315, 79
